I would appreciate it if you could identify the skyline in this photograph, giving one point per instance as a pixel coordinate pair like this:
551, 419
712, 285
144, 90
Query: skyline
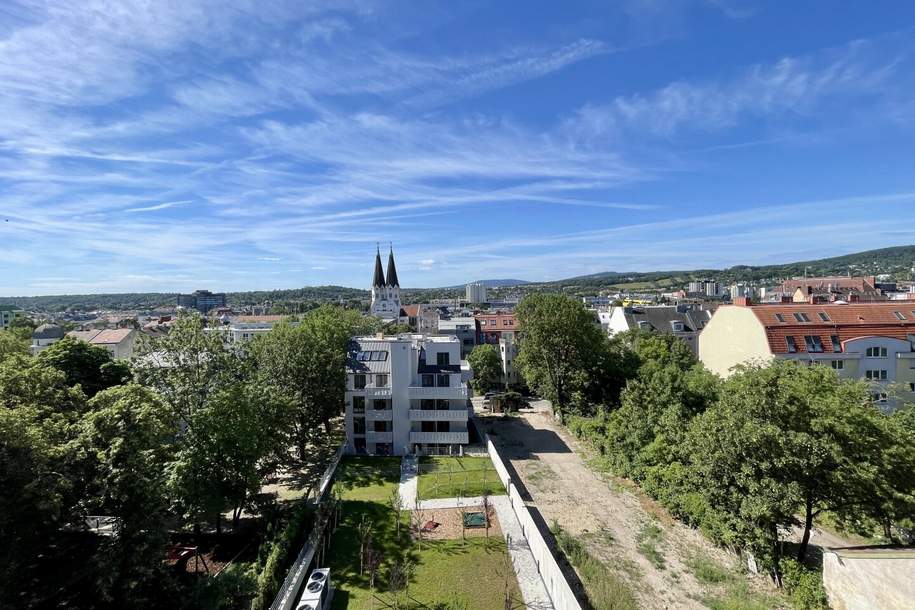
158, 147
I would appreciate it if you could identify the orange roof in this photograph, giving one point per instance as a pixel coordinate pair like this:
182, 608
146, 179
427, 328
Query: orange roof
894, 319
112, 335
410, 310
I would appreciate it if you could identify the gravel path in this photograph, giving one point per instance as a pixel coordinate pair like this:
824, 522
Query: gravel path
607, 517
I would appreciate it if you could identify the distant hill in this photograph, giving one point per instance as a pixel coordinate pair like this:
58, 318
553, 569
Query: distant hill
897, 262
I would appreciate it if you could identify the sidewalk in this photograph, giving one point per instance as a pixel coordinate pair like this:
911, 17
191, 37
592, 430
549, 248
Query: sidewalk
409, 466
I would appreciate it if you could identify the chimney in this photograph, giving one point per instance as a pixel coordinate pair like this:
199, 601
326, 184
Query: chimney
742, 301
853, 297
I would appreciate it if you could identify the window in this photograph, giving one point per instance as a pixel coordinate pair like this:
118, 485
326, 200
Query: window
824, 316
359, 425
359, 381
875, 374
443, 358
838, 364
379, 405
428, 381
358, 404
442, 405
427, 404
814, 343
836, 344
468, 341
780, 317
444, 381
505, 322
879, 396
382, 426
371, 356
875, 352
792, 346
899, 315
801, 317
442, 426
381, 381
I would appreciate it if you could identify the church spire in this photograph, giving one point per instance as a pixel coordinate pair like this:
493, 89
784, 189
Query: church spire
392, 270
378, 280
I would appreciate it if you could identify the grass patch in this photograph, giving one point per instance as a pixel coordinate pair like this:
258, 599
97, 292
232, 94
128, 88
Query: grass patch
452, 477
649, 538
605, 590
732, 591
471, 573
708, 571
739, 597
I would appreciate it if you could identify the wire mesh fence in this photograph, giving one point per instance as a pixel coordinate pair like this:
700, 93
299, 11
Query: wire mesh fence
455, 477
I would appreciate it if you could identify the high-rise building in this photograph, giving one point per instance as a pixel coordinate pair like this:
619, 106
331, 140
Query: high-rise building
202, 300
405, 395
475, 292
385, 290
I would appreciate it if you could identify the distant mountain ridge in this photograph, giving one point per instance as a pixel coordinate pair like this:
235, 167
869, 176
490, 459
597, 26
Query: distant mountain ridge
897, 261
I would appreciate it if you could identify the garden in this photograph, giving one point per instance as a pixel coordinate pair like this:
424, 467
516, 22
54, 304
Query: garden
457, 477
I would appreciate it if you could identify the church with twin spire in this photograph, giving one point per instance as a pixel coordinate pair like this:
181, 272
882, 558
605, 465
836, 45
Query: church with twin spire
386, 302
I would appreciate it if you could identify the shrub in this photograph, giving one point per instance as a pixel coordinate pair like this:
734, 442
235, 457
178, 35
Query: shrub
278, 553
804, 586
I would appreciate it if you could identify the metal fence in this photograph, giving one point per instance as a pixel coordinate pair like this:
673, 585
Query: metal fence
289, 591
556, 584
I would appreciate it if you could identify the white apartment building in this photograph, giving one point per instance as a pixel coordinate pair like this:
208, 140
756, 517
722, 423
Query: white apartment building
8, 313
118, 341
475, 292
405, 395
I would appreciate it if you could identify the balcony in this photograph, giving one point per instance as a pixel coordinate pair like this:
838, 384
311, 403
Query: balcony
439, 437
378, 392
459, 392
379, 437
379, 415
438, 414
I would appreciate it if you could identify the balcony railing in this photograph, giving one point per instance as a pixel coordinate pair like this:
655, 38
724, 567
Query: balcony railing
379, 437
378, 392
379, 414
438, 392
439, 437
438, 414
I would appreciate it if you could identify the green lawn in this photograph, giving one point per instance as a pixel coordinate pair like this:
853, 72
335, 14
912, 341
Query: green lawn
450, 477
469, 574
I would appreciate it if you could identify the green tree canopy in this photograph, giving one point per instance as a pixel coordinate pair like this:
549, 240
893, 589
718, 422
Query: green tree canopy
487, 368
12, 344
88, 365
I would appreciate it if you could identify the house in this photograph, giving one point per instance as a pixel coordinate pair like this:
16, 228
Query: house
421, 318
405, 395
873, 341
45, 335
462, 327
118, 341
8, 313
831, 289
684, 321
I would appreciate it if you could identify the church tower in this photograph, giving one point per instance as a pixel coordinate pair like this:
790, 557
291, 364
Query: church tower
385, 291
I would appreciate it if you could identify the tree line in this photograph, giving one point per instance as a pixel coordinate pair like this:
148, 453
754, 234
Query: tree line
775, 446
185, 433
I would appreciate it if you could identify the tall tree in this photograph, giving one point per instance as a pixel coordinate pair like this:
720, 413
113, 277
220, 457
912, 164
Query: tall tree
12, 344
88, 365
558, 340
487, 367
128, 436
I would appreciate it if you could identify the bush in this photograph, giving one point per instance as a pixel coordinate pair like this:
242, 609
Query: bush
606, 591
278, 553
804, 586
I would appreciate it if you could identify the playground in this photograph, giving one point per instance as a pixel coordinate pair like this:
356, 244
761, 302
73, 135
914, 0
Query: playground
446, 523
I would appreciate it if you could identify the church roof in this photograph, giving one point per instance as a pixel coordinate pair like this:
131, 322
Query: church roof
392, 270
378, 280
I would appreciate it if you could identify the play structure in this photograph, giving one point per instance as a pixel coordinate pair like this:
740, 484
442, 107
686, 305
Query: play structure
474, 519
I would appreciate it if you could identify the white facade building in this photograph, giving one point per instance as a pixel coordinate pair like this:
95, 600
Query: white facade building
475, 292
683, 321
118, 341
405, 395
386, 302
8, 313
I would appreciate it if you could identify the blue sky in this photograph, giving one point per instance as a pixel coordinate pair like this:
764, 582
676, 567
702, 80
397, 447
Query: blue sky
161, 145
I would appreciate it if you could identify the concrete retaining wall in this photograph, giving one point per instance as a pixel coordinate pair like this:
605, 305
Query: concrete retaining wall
869, 578
556, 584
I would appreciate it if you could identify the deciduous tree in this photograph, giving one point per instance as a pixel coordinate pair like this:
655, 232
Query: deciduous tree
487, 368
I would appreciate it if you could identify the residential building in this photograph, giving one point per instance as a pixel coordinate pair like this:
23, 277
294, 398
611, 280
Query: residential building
405, 395
684, 321
202, 300
708, 288
8, 313
873, 341
462, 327
475, 292
508, 351
422, 318
594, 302
832, 288
490, 326
741, 290
118, 341
45, 335
385, 290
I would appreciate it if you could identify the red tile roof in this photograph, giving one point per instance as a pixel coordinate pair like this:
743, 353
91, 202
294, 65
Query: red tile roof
410, 310
847, 321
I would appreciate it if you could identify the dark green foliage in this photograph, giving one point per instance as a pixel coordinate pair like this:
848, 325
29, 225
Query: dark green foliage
487, 368
805, 586
87, 365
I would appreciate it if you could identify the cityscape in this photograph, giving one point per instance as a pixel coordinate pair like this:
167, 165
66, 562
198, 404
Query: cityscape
457, 306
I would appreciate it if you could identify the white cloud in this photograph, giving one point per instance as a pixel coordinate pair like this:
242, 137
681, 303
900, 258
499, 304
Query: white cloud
157, 207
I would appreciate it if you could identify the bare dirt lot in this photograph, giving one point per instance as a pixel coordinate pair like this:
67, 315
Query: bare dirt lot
448, 522
635, 537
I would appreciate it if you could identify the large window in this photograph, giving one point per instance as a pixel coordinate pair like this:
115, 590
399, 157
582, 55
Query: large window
358, 404
427, 404
875, 374
428, 381
358, 425
442, 404
379, 405
899, 315
443, 358
375, 356
359, 381
814, 343
801, 317
444, 381
824, 316
792, 346
838, 364
780, 317
875, 352
381, 381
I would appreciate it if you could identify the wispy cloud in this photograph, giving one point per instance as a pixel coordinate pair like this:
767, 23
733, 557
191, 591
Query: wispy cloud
158, 206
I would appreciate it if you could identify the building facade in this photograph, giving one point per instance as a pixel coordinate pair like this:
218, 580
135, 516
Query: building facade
475, 292
462, 327
8, 313
202, 300
385, 290
118, 341
405, 395
872, 341
45, 335
422, 318
683, 321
